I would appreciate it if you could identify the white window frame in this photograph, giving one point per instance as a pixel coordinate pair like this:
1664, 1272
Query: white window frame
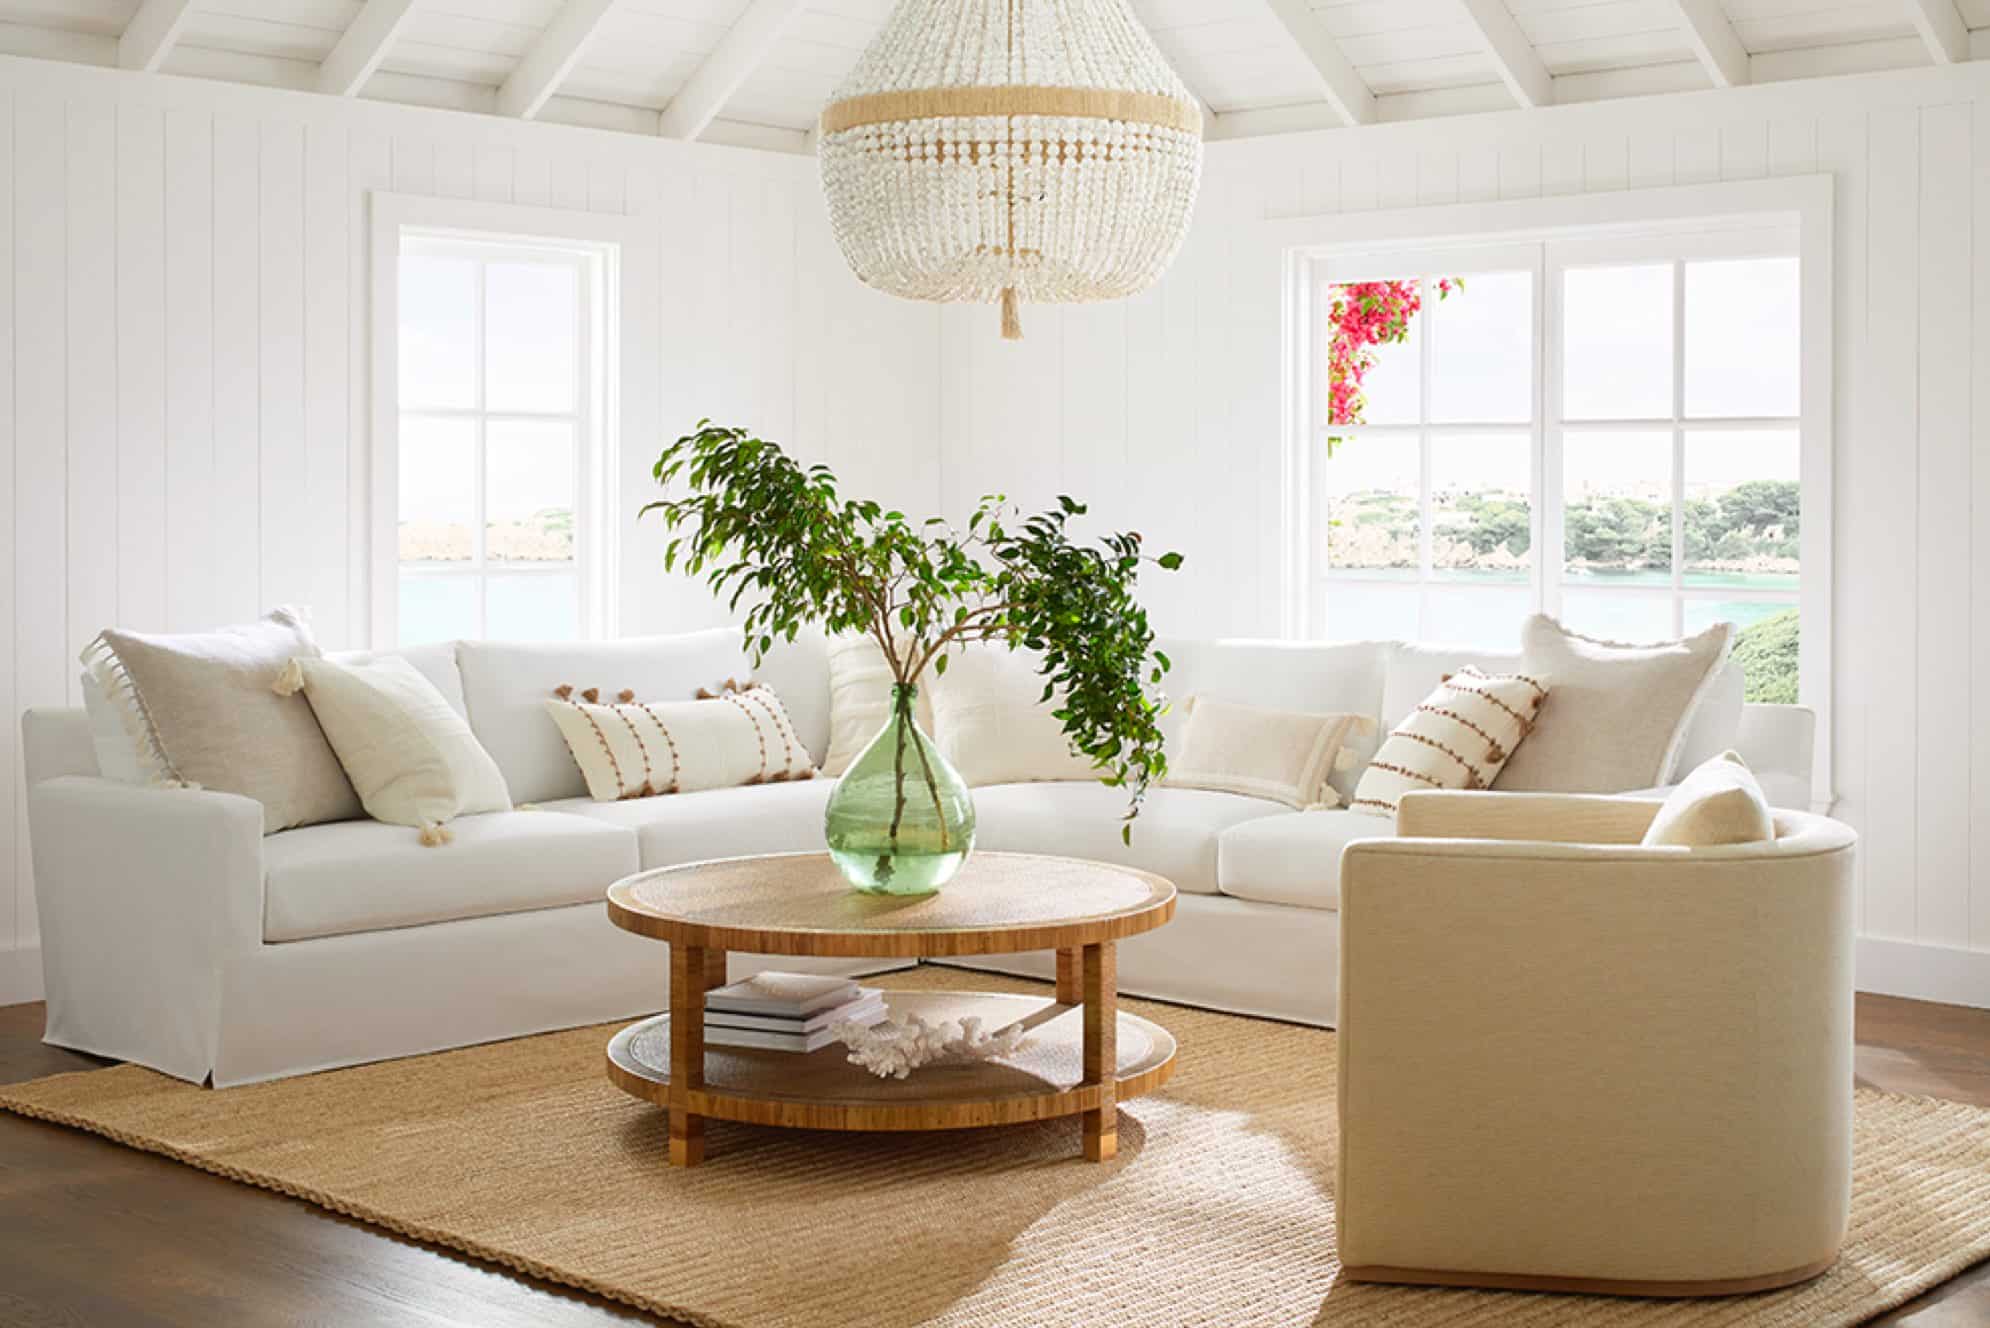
1678, 216
597, 245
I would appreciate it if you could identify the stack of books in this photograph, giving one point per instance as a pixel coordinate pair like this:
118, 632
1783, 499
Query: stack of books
787, 1011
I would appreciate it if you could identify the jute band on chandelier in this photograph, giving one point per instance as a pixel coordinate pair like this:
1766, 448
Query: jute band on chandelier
1146, 108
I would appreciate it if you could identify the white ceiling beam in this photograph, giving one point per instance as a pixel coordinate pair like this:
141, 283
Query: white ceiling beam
735, 58
363, 46
1345, 91
151, 33
1513, 56
1942, 30
552, 57
1714, 44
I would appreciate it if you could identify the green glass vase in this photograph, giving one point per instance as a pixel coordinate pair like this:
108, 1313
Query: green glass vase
900, 821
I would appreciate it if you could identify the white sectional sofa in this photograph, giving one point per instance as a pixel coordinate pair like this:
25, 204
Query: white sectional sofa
177, 935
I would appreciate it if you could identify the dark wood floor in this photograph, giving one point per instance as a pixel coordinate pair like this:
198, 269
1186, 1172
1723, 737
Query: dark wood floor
94, 1234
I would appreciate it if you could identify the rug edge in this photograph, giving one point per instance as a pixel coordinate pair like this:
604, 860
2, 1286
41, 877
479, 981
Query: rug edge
358, 1212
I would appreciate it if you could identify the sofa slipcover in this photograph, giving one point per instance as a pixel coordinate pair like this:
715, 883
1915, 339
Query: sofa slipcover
358, 876
1295, 858
676, 828
1174, 837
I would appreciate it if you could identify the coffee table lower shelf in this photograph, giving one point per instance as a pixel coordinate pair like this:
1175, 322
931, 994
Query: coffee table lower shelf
821, 1090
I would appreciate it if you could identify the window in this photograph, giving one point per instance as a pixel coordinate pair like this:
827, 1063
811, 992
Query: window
501, 397
1609, 430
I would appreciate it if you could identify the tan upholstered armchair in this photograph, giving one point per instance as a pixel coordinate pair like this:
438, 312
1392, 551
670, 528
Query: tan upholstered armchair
1568, 1062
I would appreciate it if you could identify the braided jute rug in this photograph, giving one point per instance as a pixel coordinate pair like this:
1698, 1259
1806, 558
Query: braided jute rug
1218, 1210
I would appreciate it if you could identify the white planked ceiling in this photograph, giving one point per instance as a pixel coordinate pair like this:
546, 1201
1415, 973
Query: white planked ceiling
1260, 65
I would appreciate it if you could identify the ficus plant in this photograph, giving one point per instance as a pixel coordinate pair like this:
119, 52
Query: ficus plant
769, 533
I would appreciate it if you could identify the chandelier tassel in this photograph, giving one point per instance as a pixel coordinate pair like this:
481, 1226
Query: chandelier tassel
1012, 316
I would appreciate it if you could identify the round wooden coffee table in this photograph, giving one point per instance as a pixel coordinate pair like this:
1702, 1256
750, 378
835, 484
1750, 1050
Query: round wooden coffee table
1083, 1056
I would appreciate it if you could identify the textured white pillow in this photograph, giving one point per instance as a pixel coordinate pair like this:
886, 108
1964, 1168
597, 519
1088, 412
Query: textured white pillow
1283, 755
860, 700
1459, 738
1620, 712
635, 749
992, 725
1719, 803
199, 712
408, 753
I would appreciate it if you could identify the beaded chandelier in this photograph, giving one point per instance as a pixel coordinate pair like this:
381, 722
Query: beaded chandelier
1011, 150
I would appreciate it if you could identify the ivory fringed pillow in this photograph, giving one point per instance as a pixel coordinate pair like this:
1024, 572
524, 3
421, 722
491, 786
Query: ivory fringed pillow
1459, 738
409, 755
198, 710
860, 700
1286, 756
638, 749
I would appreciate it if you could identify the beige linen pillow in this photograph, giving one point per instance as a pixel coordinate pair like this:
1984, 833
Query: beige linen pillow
638, 749
1719, 803
993, 725
860, 700
200, 713
1459, 738
1283, 755
409, 755
1619, 712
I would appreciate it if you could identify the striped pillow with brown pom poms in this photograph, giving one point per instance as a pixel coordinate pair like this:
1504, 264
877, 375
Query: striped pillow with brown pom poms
1459, 738
625, 748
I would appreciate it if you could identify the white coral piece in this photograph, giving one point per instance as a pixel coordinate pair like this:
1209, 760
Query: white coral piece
895, 1048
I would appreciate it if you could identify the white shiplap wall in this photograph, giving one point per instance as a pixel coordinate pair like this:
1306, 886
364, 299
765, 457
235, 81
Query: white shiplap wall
183, 337
1165, 410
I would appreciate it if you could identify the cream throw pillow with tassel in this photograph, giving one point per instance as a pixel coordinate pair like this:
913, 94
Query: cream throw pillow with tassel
1459, 738
409, 755
1286, 756
639, 749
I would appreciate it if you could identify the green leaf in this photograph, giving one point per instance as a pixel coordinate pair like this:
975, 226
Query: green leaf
1170, 561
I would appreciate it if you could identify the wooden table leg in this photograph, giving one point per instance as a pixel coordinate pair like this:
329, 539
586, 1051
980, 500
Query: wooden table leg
694, 970
1101, 989
1070, 987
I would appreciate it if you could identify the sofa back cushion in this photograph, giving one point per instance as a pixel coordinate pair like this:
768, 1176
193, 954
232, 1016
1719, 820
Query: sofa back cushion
1414, 671
506, 685
1308, 676
435, 661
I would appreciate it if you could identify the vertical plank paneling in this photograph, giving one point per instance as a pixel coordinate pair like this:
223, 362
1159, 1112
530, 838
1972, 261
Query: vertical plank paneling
1941, 530
1890, 408
327, 246
1437, 176
1841, 149
91, 288
1792, 145
1696, 155
141, 367
569, 181
1519, 170
369, 168
286, 540
42, 661
1744, 151
13, 826
1561, 166
1650, 160
455, 167
494, 168
1606, 163
1979, 527
238, 545
191, 601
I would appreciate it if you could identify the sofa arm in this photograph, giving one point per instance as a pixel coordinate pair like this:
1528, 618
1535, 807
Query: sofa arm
1568, 818
1531, 1032
142, 892
1778, 742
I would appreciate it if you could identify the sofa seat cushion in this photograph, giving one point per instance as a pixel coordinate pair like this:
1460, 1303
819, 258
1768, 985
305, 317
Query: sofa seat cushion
675, 828
358, 876
1293, 858
1175, 836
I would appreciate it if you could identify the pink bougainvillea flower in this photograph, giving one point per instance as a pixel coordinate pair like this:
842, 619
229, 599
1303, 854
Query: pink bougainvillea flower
1364, 315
